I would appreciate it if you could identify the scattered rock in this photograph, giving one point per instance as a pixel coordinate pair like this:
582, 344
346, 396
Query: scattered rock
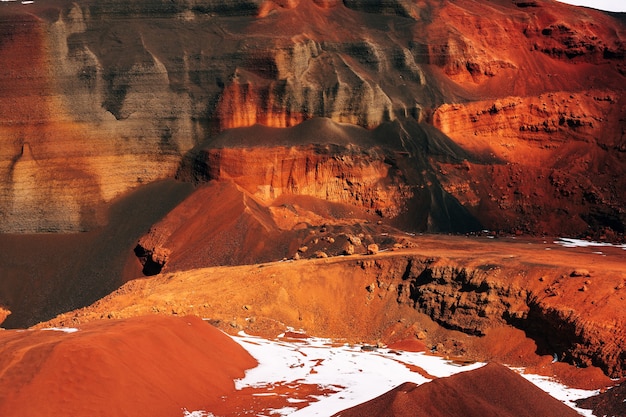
321, 254
580, 272
303, 249
348, 250
372, 249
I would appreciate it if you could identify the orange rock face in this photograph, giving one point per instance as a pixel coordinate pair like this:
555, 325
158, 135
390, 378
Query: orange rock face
355, 178
556, 160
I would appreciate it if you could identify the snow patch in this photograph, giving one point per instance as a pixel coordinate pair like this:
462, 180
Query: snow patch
579, 243
353, 374
62, 329
566, 395
197, 413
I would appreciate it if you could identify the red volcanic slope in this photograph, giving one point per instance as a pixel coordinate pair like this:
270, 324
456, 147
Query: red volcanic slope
492, 390
150, 366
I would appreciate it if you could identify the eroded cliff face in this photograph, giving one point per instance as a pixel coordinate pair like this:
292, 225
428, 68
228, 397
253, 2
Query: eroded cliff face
102, 97
473, 300
64, 156
558, 161
352, 176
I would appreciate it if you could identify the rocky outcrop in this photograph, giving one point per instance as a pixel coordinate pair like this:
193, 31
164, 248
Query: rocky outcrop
473, 300
384, 171
461, 299
465, 285
352, 176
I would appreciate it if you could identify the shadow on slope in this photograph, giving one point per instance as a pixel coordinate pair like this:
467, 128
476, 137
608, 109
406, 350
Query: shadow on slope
42, 275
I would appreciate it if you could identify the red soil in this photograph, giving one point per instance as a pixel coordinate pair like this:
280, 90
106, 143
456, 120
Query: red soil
148, 366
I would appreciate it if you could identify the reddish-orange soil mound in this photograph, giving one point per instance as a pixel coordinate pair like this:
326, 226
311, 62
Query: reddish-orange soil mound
148, 366
492, 390
611, 402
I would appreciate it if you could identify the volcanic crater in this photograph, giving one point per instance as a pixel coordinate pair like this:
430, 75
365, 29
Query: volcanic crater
444, 176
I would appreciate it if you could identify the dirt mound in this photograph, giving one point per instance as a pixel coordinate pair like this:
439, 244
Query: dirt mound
492, 390
146, 366
221, 223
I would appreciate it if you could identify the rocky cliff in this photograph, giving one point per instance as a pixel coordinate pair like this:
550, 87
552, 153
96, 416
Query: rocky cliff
101, 97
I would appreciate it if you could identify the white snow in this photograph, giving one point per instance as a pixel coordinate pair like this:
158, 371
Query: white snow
62, 329
579, 243
354, 375
197, 413
561, 392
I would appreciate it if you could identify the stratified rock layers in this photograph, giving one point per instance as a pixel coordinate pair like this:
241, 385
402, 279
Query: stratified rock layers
99, 98
561, 161
63, 156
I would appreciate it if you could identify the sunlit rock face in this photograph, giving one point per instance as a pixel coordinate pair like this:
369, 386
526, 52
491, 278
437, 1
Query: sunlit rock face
319, 158
101, 97
313, 171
